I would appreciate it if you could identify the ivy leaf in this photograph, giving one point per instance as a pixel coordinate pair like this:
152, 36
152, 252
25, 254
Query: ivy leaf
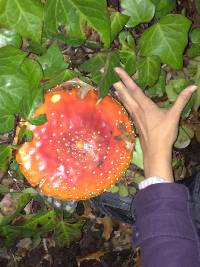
52, 61
13, 87
158, 89
59, 78
103, 73
42, 222
63, 21
174, 88
10, 37
138, 11
23, 16
22, 200
33, 72
118, 21
71, 14
11, 56
163, 7
6, 123
65, 233
166, 39
96, 14
138, 155
5, 156
25, 135
32, 101
148, 71
38, 120
197, 93
127, 52
184, 137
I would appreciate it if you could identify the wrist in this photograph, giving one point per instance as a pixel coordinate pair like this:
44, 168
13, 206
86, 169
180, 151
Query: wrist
159, 164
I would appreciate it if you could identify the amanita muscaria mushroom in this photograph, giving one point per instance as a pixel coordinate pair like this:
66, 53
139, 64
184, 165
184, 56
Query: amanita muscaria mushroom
84, 147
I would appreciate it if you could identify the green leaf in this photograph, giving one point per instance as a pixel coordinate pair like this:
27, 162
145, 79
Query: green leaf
42, 222
113, 189
197, 4
166, 39
10, 37
4, 189
31, 102
52, 61
163, 7
194, 50
103, 73
195, 36
59, 78
63, 21
13, 87
158, 89
138, 178
33, 72
138, 155
118, 21
23, 16
5, 156
25, 135
123, 190
96, 14
138, 11
174, 88
66, 19
11, 56
6, 123
39, 120
22, 200
148, 71
65, 233
197, 93
184, 137
127, 52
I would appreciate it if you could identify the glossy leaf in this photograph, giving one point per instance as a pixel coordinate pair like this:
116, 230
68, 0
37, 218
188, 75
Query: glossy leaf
138, 11
63, 21
184, 137
158, 89
138, 155
6, 123
11, 56
103, 73
14, 85
33, 72
118, 21
148, 71
163, 7
38, 120
5, 155
10, 37
96, 14
166, 39
23, 16
52, 61
65, 233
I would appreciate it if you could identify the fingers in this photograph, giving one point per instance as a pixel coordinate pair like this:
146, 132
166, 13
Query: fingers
182, 100
131, 86
125, 97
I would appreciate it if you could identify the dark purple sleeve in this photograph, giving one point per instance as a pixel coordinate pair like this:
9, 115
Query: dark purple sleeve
164, 227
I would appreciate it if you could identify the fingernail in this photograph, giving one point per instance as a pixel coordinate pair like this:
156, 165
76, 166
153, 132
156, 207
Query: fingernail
193, 88
117, 70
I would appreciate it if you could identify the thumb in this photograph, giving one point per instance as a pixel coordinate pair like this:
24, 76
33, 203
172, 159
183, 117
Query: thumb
182, 100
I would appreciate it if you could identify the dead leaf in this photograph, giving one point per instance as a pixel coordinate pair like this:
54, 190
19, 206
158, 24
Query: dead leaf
93, 256
108, 226
8, 205
24, 243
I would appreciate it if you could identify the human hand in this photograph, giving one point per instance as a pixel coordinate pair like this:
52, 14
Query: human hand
157, 127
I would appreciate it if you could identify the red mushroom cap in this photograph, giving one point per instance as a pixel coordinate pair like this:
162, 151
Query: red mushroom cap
82, 149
